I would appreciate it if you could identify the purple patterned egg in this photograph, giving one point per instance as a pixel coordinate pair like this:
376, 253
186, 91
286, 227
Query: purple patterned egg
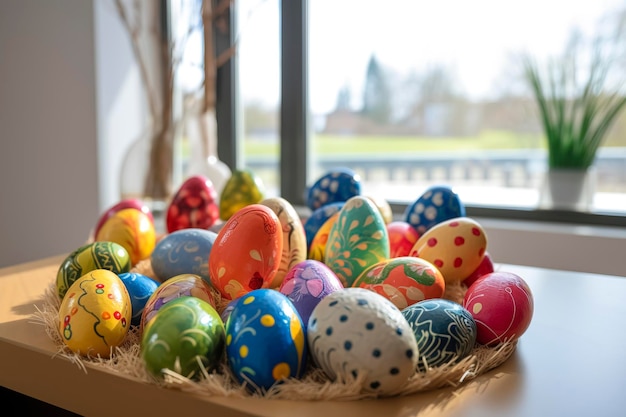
337, 185
437, 204
307, 283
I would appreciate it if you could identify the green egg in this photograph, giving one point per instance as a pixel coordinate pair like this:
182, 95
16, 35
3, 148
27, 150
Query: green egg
357, 240
97, 255
185, 335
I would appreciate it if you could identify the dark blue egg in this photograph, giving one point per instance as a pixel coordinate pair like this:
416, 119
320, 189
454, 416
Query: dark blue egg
140, 287
265, 340
445, 331
437, 204
337, 185
318, 218
184, 251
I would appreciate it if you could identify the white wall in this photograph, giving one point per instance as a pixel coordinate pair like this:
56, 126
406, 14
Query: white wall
69, 92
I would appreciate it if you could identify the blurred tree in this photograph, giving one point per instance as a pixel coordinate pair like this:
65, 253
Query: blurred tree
377, 94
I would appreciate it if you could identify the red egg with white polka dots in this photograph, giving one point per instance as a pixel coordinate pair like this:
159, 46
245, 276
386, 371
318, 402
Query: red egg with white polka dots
455, 246
502, 306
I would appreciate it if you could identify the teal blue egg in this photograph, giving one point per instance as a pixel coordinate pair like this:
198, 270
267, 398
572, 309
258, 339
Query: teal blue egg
140, 287
265, 340
444, 330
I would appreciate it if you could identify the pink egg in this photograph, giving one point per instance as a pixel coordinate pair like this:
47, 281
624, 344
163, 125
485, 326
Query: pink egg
402, 237
485, 267
307, 283
501, 304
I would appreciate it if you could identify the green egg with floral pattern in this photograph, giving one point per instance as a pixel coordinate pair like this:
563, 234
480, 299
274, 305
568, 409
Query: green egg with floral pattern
97, 255
186, 335
357, 240
243, 188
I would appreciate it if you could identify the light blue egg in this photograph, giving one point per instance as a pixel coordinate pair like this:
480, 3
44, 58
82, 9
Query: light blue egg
445, 331
437, 204
140, 287
184, 251
265, 340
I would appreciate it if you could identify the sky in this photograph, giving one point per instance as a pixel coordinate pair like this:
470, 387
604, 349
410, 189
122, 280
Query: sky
474, 39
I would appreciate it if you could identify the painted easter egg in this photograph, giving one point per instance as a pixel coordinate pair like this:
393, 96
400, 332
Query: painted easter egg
317, 219
265, 340
193, 205
230, 306
502, 305
95, 255
243, 188
140, 287
186, 336
456, 247
485, 267
317, 250
247, 252
357, 240
402, 237
184, 251
132, 229
294, 238
307, 283
179, 286
354, 331
445, 331
437, 204
337, 185
95, 314
404, 281
383, 206
123, 204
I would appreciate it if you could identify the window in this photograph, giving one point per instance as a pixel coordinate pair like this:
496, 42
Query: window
409, 95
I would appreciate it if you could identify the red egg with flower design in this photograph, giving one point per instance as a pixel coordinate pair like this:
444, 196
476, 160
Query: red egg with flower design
193, 206
502, 305
247, 252
404, 280
456, 247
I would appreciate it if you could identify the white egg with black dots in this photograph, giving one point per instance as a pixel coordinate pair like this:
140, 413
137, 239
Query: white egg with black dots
355, 334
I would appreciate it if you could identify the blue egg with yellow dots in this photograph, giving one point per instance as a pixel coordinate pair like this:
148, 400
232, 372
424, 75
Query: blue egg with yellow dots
265, 340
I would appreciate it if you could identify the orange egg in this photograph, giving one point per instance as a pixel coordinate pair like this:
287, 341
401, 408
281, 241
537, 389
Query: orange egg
318, 244
247, 252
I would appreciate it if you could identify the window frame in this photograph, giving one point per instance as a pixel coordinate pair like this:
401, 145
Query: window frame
295, 125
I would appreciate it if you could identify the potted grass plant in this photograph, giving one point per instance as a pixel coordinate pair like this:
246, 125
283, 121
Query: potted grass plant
578, 97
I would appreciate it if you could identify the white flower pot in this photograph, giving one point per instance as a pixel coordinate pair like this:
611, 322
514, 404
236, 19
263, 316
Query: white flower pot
568, 189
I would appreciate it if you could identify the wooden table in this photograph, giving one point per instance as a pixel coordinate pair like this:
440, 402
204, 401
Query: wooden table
570, 362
